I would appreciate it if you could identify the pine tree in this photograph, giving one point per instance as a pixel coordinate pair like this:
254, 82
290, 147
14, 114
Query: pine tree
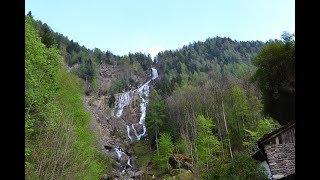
156, 116
208, 144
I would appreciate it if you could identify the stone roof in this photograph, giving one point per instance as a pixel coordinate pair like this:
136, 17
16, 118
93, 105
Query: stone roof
275, 133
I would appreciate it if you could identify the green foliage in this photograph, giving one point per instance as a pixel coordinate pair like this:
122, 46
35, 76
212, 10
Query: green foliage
86, 62
238, 115
47, 36
244, 167
183, 75
156, 116
58, 142
238, 69
241, 104
240, 167
275, 65
164, 151
264, 126
182, 146
219, 55
119, 85
208, 145
143, 152
256, 107
87, 71
144, 60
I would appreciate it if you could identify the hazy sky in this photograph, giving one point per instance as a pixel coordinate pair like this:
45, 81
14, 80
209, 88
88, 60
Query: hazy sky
150, 26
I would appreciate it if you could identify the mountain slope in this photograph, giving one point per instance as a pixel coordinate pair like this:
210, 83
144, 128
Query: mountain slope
215, 55
58, 141
203, 112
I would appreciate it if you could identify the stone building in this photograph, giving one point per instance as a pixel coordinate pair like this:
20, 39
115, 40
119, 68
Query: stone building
277, 152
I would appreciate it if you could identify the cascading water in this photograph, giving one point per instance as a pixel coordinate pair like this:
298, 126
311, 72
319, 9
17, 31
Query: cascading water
143, 93
120, 154
128, 131
124, 100
154, 73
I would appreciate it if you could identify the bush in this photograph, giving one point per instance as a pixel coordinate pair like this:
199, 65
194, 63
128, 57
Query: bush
240, 167
164, 152
58, 143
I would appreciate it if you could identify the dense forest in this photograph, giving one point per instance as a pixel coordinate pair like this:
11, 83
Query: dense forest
208, 108
213, 104
195, 61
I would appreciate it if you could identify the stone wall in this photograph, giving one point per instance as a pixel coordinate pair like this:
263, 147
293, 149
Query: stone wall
281, 158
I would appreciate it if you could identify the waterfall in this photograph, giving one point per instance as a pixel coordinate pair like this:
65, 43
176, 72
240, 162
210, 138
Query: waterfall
126, 98
143, 93
129, 164
154, 73
128, 131
120, 153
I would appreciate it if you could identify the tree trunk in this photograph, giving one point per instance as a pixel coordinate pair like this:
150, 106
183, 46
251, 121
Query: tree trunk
225, 124
157, 140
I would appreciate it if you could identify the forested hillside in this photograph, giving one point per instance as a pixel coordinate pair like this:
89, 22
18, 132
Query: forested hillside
87, 64
218, 55
205, 108
58, 143
209, 103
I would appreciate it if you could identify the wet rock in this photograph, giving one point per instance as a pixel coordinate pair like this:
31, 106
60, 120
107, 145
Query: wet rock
137, 174
112, 125
107, 147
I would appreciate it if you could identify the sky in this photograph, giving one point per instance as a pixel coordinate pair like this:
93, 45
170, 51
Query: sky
151, 26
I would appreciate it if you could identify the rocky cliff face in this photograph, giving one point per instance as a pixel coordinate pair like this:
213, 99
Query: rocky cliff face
108, 73
119, 127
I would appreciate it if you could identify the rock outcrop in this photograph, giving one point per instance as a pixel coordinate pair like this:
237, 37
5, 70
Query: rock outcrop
118, 127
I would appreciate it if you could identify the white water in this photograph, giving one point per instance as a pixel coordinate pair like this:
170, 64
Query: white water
119, 153
134, 130
154, 73
129, 162
126, 98
143, 93
128, 131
